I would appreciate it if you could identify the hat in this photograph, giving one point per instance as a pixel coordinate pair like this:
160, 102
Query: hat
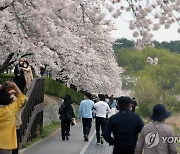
124, 101
159, 113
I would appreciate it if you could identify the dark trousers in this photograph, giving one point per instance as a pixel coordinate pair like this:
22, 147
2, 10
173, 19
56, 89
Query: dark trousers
18, 134
118, 150
5, 152
87, 123
65, 128
100, 123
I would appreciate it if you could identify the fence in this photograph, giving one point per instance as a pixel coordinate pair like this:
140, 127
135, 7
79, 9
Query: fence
32, 113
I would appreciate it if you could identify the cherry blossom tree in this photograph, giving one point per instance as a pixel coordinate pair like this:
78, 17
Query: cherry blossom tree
71, 37
147, 16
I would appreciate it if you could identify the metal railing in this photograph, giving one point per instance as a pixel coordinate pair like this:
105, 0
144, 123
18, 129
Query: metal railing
32, 113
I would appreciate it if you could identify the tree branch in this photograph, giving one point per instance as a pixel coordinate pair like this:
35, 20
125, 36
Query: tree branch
27, 54
3, 8
9, 61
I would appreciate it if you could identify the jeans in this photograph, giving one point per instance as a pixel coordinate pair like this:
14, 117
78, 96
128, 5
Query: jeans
100, 123
87, 123
65, 128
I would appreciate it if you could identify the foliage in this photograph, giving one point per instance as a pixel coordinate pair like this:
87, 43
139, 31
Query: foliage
173, 46
148, 94
155, 84
122, 43
4, 77
55, 88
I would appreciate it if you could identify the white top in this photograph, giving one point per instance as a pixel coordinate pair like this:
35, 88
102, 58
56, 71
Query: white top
101, 109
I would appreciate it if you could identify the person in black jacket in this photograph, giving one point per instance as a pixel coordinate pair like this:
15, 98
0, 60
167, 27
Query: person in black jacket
19, 75
66, 114
125, 127
134, 104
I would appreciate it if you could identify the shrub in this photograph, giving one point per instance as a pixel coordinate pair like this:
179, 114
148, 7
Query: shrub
5, 77
147, 94
58, 89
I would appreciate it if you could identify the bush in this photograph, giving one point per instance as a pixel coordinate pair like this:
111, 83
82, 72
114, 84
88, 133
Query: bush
5, 77
148, 94
58, 89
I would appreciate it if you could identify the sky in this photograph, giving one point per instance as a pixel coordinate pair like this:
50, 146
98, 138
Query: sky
123, 31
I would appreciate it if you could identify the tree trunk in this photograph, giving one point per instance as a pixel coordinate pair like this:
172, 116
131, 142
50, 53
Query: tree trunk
7, 62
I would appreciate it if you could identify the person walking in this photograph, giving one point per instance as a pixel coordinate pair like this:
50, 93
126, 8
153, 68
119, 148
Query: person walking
27, 73
85, 112
66, 114
151, 137
8, 109
19, 78
125, 127
101, 108
134, 104
112, 105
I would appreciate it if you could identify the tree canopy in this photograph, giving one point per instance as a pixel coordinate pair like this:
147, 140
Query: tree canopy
71, 37
173, 46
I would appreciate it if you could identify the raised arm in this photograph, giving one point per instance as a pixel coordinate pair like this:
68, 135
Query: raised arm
20, 101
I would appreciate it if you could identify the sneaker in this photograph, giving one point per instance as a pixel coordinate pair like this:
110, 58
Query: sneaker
86, 138
98, 143
101, 140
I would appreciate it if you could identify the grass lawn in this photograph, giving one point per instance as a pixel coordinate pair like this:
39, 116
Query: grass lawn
47, 130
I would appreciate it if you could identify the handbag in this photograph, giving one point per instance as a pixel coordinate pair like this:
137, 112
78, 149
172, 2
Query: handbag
73, 121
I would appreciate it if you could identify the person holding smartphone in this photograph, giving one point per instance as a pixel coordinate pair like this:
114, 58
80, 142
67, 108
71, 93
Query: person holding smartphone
8, 109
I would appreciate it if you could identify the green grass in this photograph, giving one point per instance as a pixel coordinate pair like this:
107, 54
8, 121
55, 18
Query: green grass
47, 130
177, 131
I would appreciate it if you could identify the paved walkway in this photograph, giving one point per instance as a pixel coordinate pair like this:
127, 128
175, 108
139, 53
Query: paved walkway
75, 145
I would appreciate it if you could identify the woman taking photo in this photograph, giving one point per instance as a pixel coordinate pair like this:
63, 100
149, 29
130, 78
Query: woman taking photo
8, 109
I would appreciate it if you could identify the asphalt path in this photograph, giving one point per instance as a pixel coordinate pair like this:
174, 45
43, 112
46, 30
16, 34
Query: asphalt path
55, 145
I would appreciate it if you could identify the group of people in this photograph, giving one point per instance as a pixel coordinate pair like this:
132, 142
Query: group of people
125, 130
23, 74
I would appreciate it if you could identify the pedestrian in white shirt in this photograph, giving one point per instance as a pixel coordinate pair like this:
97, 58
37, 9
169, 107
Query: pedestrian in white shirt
101, 108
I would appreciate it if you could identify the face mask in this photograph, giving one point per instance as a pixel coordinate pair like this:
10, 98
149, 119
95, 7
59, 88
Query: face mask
21, 63
25, 65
